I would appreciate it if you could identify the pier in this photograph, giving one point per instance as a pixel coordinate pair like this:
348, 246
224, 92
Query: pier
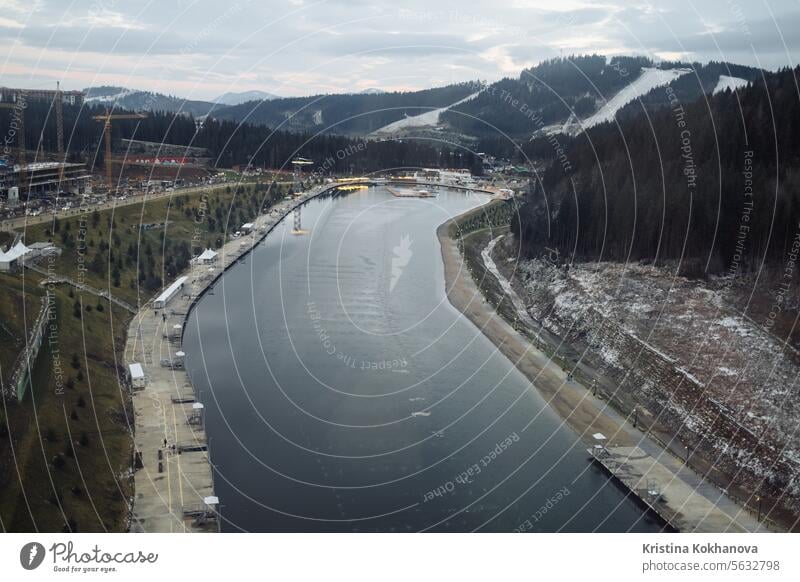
668, 490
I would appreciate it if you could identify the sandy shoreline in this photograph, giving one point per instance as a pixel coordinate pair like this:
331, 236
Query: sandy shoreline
690, 502
569, 401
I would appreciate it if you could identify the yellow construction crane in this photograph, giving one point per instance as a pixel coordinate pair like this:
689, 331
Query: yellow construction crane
106, 119
19, 106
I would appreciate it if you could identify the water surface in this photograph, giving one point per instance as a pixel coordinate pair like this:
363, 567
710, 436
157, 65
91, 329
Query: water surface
344, 393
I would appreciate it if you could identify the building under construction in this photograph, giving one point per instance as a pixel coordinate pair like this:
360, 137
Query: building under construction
69, 97
43, 180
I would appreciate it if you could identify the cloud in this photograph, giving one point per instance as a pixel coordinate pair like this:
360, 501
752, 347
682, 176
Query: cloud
398, 44
338, 45
10, 24
763, 36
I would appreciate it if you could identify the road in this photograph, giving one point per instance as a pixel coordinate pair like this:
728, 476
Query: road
24, 221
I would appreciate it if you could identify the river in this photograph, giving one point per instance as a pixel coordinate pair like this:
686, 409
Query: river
343, 392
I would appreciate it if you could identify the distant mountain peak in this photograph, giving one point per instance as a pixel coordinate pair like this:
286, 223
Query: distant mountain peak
139, 100
372, 91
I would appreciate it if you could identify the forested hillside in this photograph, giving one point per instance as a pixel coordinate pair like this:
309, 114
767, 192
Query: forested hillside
550, 92
713, 182
344, 114
702, 80
121, 97
560, 88
230, 142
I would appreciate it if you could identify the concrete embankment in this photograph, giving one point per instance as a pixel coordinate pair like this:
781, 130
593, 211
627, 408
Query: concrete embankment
682, 499
173, 473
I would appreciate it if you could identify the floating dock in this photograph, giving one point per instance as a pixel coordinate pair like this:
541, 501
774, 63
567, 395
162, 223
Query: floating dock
410, 192
682, 503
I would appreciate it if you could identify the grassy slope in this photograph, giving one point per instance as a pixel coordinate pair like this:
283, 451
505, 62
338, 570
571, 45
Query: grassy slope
94, 443
12, 322
115, 240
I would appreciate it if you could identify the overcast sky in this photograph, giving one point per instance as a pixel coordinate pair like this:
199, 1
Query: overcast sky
201, 48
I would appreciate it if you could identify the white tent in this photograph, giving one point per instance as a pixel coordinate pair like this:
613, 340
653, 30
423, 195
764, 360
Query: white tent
19, 249
9, 258
206, 257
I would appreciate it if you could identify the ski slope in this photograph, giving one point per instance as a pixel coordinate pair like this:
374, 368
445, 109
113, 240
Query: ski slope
109, 98
650, 78
644, 83
725, 82
427, 119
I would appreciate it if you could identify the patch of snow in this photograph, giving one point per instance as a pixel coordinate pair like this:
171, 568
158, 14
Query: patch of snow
725, 82
609, 356
109, 98
736, 325
654, 349
639, 308
427, 119
689, 376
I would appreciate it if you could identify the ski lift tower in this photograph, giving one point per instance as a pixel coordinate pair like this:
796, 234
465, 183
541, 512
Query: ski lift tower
297, 174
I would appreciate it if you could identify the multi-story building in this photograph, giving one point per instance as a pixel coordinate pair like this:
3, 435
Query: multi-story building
43, 179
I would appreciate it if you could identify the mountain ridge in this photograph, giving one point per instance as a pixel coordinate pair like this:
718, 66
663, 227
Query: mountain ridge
561, 95
237, 98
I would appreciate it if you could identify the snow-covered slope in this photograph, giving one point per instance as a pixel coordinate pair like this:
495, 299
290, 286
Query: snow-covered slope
644, 83
725, 82
427, 119
102, 97
137, 100
649, 79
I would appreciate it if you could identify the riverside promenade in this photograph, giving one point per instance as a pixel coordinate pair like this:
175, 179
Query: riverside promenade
173, 476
